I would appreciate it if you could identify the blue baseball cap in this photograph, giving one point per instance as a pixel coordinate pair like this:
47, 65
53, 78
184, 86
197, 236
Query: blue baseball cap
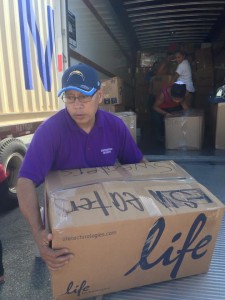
178, 89
81, 78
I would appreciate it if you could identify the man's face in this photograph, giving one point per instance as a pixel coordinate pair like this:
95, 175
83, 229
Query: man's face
81, 108
179, 58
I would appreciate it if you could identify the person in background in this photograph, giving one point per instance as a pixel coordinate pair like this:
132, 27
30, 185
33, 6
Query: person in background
183, 73
163, 66
79, 136
171, 99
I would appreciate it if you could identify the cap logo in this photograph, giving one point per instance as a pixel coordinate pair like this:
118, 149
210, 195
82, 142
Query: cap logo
76, 72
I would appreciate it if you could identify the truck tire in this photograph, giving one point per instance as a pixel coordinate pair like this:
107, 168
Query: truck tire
12, 152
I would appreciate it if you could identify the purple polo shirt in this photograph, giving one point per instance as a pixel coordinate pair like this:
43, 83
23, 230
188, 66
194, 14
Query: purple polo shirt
59, 144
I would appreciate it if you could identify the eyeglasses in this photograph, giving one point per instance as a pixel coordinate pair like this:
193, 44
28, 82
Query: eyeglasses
81, 99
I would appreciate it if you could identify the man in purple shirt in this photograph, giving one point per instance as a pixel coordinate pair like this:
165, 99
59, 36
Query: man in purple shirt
79, 136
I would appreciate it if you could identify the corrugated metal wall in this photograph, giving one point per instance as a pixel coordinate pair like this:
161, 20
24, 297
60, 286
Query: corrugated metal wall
18, 104
93, 41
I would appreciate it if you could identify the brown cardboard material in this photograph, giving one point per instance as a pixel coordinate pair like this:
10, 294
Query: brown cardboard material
118, 91
112, 107
203, 58
204, 78
113, 90
151, 170
202, 98
130, 119
217, 112
129, 226
184, 130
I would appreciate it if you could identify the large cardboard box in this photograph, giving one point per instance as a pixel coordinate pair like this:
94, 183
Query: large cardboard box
203, 58
129, 226
130, 119
112, 107
204, 78
201, 98
185, 130
113, 90
217, 113
118, 91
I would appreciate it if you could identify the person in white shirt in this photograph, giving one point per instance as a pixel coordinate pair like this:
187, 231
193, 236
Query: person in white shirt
183, 73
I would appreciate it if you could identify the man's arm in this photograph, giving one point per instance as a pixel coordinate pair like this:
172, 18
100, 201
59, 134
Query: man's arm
29, 206
144, 160
185, 105
186, 102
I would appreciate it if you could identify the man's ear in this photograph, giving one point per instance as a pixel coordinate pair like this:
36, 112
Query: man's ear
100, 95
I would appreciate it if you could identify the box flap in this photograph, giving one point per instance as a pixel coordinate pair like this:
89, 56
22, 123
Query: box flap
118, 201
61, 180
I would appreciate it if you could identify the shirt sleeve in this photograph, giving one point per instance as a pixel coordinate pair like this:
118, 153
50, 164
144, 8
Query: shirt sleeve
179, 69
129, 153
40, 155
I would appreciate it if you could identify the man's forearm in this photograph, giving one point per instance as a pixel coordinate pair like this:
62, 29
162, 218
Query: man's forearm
160, 111
29, 206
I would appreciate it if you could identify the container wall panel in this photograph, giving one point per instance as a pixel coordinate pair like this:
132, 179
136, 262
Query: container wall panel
26, 30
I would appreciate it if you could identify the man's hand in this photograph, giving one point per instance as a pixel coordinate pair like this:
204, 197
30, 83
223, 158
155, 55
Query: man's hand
29, 206
54, 258
168, 114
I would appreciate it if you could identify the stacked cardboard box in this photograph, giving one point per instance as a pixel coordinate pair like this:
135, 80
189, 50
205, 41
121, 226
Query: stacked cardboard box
117, 96
112, 107
203, 77
129, 226
141, 89
112, 90
219, 64
203, 57
185, 130
142, 95
217, 122
130, 119
117, 92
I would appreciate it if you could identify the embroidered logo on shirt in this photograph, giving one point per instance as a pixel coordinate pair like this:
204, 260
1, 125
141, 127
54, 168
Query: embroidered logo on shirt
106, 151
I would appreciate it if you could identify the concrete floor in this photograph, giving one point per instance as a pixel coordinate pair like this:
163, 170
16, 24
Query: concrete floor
27, 276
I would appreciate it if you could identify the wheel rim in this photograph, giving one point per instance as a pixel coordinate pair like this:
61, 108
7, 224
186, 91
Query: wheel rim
12, 169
